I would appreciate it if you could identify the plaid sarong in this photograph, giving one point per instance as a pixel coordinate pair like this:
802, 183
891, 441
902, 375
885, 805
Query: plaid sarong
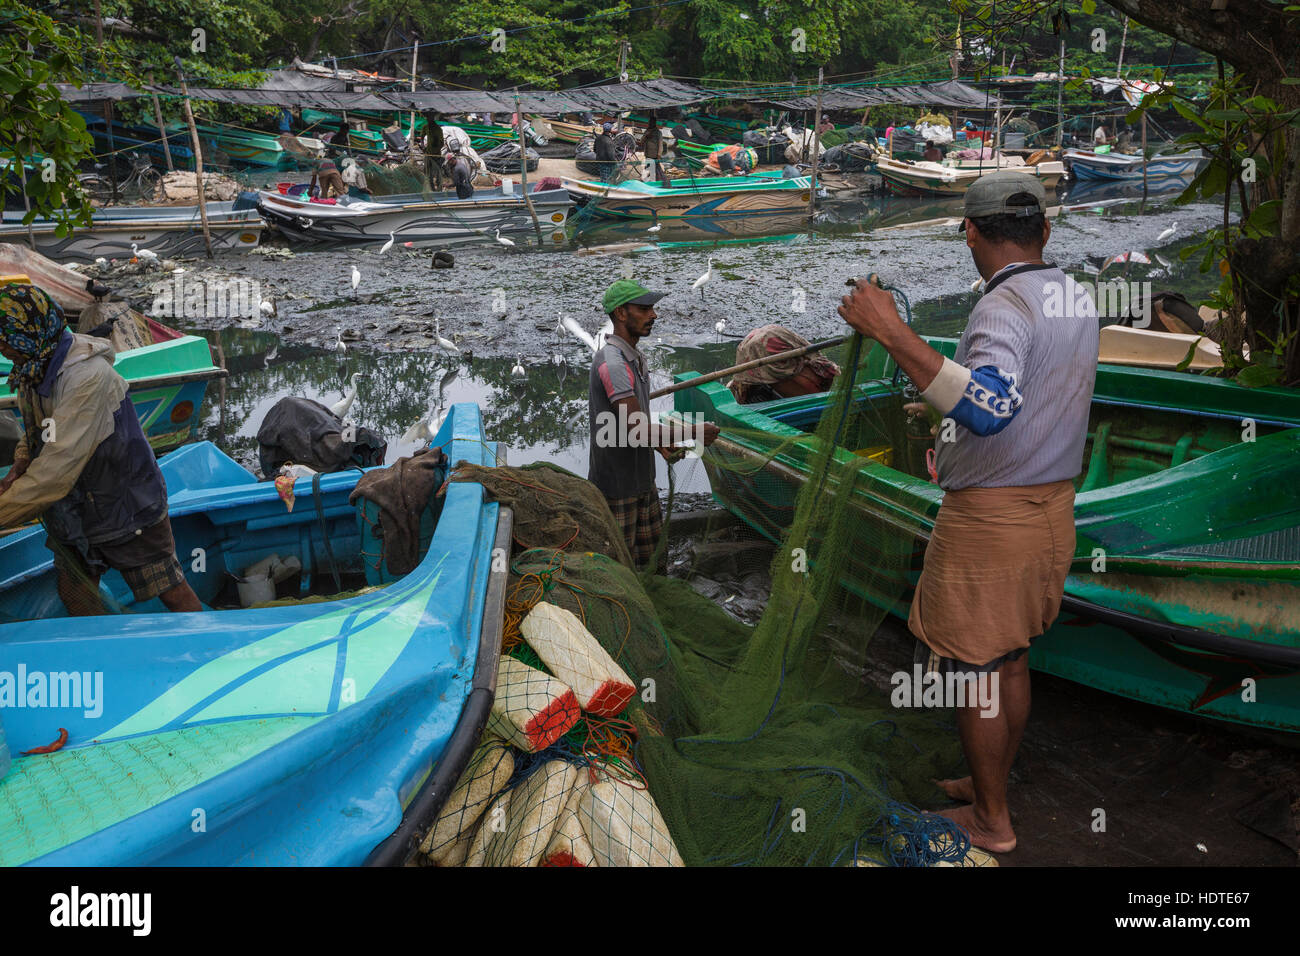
147, 562
642, 522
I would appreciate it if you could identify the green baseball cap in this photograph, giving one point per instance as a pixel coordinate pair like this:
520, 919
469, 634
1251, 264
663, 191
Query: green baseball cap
627, 292
988, 195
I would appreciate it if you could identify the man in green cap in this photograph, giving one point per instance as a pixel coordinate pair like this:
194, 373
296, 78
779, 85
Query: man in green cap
623, 438
1015, 399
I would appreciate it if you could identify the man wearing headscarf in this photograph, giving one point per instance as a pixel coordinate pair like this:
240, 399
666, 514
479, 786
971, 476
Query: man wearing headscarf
788, 377
84, 464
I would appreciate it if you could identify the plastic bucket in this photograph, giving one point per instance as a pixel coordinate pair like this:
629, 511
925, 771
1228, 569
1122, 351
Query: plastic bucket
256, 590
284, 188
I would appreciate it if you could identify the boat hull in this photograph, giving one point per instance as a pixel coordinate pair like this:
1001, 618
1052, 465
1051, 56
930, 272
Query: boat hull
287, 735
708, 199
167, 383
1118, 168
420, 222
1180, 618
169, 231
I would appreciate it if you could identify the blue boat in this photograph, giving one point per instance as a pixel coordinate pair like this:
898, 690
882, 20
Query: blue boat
1120, 167
302, 733
144, 139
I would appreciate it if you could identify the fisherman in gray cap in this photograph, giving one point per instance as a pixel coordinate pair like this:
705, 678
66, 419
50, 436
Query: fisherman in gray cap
1015, 399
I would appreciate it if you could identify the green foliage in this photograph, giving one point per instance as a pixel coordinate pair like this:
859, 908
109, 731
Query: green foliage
36, 126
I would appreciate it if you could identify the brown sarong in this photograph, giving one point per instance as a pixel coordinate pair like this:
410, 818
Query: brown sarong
995, 570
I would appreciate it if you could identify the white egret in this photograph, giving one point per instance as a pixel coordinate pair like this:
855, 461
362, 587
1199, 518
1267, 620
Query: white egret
708, 274
603, 335
356, 278
656, 227
445, 343
503, 240
340, 346
387, 245
977, 285
518, 371
579, 333
143, 253
340, 408
1168, 233
720, 326
427, 428
267, 307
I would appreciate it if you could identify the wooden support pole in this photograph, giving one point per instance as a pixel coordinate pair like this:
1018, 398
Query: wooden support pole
816, 143
1060, 96
523, 172
1144, 157
157, 115
415, 60
198, 156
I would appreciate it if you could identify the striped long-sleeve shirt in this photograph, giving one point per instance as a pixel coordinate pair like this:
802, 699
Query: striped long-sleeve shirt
1020, 387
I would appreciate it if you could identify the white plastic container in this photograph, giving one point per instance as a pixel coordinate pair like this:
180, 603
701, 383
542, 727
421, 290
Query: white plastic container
507, 187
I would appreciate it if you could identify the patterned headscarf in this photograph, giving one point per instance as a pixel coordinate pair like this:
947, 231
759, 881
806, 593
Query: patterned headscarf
31, 323
768, 340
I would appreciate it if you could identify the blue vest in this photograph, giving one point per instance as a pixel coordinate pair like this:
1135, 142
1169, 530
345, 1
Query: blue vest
119, 491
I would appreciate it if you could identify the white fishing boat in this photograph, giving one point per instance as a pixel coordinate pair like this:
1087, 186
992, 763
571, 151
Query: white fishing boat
168, 231
953, 177
415, 217
1084, 164
1049, 172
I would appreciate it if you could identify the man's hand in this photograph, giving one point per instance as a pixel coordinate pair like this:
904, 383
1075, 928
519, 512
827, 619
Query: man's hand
870, 310
708, 432
15, 473
672, 455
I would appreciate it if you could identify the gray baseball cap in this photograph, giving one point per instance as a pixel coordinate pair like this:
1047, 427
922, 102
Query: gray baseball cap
988, 195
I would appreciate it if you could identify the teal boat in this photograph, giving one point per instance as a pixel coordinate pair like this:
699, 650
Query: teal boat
304, 733
167, 382
1190, 492
715, 196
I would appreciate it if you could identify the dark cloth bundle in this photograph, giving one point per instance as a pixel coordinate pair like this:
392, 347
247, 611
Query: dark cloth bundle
305, 432
402, 492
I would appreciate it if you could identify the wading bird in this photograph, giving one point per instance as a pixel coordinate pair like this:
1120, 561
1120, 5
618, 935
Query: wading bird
720, 326
340, 346
356, 278
340, 408
1168, 233
445, 343
387, 245
267, 307
708, 274
518, 371
503, 240
143, 253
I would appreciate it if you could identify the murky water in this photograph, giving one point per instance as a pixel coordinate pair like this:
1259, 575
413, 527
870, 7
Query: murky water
501, 306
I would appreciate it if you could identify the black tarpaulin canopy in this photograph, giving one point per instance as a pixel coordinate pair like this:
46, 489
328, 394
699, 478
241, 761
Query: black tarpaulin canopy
950, 93
94, 92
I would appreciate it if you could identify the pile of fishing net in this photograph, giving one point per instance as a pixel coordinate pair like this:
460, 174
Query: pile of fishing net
747, 745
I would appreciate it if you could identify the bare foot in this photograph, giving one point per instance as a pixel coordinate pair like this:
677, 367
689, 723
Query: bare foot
996, 838
961, 789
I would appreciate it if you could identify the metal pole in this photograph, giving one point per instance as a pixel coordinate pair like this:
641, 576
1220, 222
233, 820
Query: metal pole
198, 155
523, 171
817, 140
157, 115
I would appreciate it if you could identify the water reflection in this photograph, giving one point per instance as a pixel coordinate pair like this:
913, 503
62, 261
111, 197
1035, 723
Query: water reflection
541, 417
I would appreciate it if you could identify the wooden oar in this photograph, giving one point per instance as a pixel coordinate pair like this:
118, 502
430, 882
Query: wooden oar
744, 366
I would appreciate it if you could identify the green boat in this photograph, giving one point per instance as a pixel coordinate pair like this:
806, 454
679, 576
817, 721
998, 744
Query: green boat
1190, 495
246, 147
166, 381
367, 140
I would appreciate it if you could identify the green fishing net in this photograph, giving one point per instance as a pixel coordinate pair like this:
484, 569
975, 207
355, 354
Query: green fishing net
767, 744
